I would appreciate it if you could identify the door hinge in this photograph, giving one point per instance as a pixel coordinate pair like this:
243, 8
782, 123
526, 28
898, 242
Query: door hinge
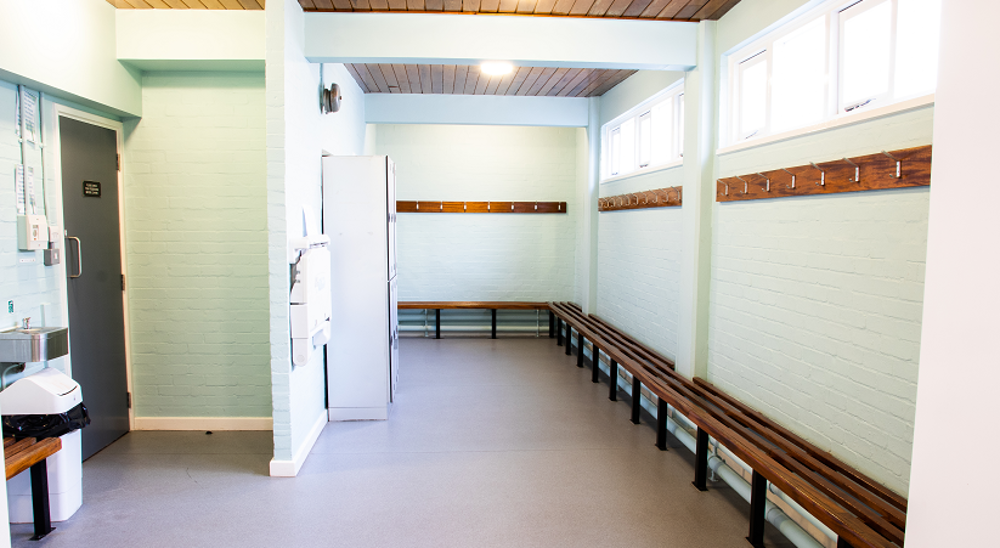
123, 282
129, 394
118, 162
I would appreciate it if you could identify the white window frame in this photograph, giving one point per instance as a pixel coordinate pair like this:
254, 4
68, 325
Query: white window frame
611, 166
732, 134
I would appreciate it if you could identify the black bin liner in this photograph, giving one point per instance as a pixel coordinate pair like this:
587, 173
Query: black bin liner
46, 426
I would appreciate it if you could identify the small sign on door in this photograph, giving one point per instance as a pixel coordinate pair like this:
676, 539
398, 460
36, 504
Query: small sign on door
92, 189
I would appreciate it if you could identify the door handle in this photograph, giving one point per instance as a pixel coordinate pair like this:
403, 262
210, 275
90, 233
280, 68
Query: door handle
79, 257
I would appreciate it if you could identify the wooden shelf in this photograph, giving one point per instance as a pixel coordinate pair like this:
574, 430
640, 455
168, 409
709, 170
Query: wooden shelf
660, 197
430, 206
905, 168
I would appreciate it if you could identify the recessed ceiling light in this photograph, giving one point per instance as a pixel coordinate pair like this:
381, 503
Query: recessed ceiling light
496, 68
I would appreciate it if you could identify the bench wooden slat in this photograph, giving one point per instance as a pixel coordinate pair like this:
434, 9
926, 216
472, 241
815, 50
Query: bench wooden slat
29, 454
456, 305
711, 414
620, 340
826, 458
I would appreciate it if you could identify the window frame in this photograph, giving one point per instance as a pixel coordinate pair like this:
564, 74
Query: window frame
612, 164
733, 135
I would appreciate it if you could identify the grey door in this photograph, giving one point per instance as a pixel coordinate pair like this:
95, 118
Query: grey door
95, 284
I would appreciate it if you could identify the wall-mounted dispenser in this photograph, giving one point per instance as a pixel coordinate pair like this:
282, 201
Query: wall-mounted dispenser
310, 303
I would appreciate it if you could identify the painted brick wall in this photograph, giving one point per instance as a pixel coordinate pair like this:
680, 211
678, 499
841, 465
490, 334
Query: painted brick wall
815, 304
196, 234
638, 268
484, 256
34, 288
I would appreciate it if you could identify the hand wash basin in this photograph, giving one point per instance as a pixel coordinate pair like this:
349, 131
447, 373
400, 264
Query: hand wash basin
33, 344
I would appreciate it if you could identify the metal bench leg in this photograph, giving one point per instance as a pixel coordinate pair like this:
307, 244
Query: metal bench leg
494, 315
595, 362
701, 461
558, 331
636, 399
569, 339
758, 499
579, 349
613, 388
661, 424
437, 324
40, 500
552, 325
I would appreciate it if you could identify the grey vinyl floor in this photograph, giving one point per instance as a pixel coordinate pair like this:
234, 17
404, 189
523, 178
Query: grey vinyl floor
491, 443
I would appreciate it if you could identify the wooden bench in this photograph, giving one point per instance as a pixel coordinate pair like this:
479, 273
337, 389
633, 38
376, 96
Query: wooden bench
858, 509
30, 454
493, 306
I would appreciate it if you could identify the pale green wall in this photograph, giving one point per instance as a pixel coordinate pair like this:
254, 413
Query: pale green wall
34, 288
480, 257
815, 303
196, 236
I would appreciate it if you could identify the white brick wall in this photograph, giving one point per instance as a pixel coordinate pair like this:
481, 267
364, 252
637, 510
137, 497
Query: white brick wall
638, 268
196, 238
484, 256
815, 303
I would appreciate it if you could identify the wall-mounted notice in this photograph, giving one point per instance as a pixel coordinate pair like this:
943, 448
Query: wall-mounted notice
29, 115
29, 191
19, 188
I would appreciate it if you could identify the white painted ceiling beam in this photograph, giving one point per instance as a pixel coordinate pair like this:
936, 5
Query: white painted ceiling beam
191, 39
410, 108
526, 41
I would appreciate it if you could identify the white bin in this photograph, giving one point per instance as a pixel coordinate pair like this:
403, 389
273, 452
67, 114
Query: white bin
44, 393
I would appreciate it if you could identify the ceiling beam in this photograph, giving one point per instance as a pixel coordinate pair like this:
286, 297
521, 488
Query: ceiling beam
526, 41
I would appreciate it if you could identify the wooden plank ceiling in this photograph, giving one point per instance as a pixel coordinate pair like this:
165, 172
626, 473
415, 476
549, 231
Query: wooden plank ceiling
468, 80
677, 10
189, 4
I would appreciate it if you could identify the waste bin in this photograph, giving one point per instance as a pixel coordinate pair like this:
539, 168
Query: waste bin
48, 392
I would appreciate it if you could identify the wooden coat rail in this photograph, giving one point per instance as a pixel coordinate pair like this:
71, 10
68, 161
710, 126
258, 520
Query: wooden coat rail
421, 206
894, 169
660, 197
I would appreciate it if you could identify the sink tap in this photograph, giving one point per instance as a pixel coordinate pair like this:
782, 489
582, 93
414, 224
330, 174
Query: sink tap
26, 323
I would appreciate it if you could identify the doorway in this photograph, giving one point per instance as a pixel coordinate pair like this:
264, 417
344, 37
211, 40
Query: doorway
95, 277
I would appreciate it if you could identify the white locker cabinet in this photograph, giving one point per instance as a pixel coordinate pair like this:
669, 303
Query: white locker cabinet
359, 216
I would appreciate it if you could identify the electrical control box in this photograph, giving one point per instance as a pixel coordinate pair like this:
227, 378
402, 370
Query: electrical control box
32, 232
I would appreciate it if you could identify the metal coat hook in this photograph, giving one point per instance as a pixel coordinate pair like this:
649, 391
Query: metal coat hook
822, 174
465, 206
536, 206
418, 205
745, 185
899, 164
793, 177
727, 187
768, 187
857, 171
488, 206
512, 206
441, 206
